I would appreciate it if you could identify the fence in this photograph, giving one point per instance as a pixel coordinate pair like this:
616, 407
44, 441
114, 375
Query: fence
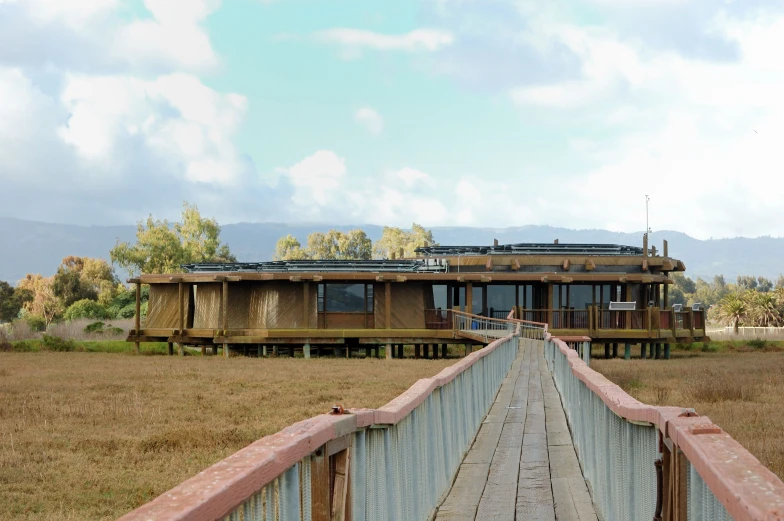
391, 463
645, 462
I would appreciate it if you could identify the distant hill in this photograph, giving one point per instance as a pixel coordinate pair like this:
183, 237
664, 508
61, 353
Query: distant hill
35, 247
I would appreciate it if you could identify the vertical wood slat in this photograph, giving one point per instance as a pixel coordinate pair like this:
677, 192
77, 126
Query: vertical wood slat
306, 304
225, 314
138, 317
388, 305
340, 491
469, 298
319, 477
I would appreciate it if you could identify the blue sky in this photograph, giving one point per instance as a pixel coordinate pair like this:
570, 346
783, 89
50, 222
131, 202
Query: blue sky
444, 112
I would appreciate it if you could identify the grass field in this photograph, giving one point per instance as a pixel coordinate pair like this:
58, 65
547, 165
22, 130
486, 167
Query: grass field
92, 436
739, 386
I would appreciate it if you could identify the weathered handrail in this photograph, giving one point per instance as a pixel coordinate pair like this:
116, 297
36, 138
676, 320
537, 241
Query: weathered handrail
396, 461
485, 326
705, 474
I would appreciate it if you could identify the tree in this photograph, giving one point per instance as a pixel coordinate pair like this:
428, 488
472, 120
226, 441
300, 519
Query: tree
684, 283
394, 239
336, 245
733, 309
162, 248
86, 309
80, 278
747, 282
289, 248
44, 302
11, 301
676, 296
764, 285
763, 309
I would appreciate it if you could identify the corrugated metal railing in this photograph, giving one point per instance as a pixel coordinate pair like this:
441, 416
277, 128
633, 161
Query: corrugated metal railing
644, 462
392, 463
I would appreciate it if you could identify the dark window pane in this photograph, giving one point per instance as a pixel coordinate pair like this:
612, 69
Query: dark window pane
476, 300
439, 296
321, 298
345, 298
500, 299
369, 298
580, 297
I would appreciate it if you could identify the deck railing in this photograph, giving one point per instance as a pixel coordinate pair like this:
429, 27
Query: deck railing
646, 462
389, 463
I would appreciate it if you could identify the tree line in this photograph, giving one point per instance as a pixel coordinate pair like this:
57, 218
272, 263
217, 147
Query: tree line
85, 287
750, 301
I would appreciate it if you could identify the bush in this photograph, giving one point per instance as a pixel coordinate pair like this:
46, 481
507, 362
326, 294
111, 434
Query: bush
114, 331
94, 327
758, 343
86, 308
35, 322
55, 343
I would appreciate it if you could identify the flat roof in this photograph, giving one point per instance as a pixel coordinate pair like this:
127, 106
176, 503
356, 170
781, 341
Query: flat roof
532, 249
316, 266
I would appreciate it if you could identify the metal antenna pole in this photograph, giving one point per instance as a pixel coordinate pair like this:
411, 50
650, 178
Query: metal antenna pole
647, 228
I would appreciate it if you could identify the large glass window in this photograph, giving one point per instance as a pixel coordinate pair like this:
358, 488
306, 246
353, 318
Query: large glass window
580, 296
477, 300
346, 298
500, 298
439, 296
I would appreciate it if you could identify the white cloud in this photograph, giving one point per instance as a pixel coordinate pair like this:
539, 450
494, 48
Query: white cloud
317, 179
174, 37
370, 119
419, 40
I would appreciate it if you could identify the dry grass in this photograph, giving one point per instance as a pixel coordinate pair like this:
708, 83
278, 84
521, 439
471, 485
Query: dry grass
740, 391
92, 436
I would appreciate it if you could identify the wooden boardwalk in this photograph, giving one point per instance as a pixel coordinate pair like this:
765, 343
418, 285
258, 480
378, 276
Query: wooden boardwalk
522, 464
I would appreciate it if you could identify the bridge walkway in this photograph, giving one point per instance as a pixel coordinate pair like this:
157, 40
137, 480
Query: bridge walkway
522, 464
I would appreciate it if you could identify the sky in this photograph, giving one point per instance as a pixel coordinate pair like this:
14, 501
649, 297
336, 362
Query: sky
488, 113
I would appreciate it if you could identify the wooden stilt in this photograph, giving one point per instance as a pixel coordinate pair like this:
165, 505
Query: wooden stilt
417, 351
443, 351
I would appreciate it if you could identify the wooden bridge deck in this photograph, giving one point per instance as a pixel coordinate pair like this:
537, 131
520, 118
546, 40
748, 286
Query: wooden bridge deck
522, 464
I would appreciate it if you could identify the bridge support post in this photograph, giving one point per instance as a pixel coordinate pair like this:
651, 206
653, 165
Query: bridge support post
427, 350
658, 350
388, 351
606, 351
417, 351
615, 350
444, 351
651, 348
627, 351
400, 350
305, 350
643, 349
435, 351
666, 351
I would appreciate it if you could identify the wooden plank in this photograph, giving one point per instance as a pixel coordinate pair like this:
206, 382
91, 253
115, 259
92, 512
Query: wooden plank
388, 305
341, 483
138, 316
320, 500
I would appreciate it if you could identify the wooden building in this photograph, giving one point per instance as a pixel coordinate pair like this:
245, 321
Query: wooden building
612, 294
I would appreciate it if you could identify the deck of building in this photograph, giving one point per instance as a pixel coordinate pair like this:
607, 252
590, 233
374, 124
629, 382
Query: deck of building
522, 464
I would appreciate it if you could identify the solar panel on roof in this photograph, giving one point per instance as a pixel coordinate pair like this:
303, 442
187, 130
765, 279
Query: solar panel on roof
395, 266
532, 249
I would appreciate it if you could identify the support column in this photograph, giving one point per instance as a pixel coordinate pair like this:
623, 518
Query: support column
444, 351
258, 350
435, 351
651, 348
305, 350
418, 351
388, 349
170, 348
658, 350
275, 351
400, 351
203, 350
643, 348
627, 352
367, 351
666, 351
606, 351
376, 349
469, 295
427, 350
615, 350
180, 349
138, 316
225, 313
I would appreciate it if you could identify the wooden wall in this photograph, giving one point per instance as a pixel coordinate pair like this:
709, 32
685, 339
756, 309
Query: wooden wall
408, 305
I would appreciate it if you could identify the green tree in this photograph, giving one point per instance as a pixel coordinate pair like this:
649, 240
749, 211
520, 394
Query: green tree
394, 239
163, 248
733, 309
289, 248
684, 283
11, 301
336, 245
764, 310
764, 285
780, 282
747, 282
676, 296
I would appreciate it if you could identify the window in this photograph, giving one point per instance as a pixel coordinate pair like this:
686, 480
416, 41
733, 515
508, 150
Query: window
500, 299
346, 298
439, 296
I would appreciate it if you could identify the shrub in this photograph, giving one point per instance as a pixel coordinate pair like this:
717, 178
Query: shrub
111, 331
36, 322
94, 327
86, 308
758, 343
709, 348
5, 344
55, 343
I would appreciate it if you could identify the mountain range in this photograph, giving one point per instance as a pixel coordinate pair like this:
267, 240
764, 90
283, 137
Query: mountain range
38, 247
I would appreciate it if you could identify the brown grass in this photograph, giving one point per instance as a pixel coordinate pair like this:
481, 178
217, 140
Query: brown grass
92, 436
740, 391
